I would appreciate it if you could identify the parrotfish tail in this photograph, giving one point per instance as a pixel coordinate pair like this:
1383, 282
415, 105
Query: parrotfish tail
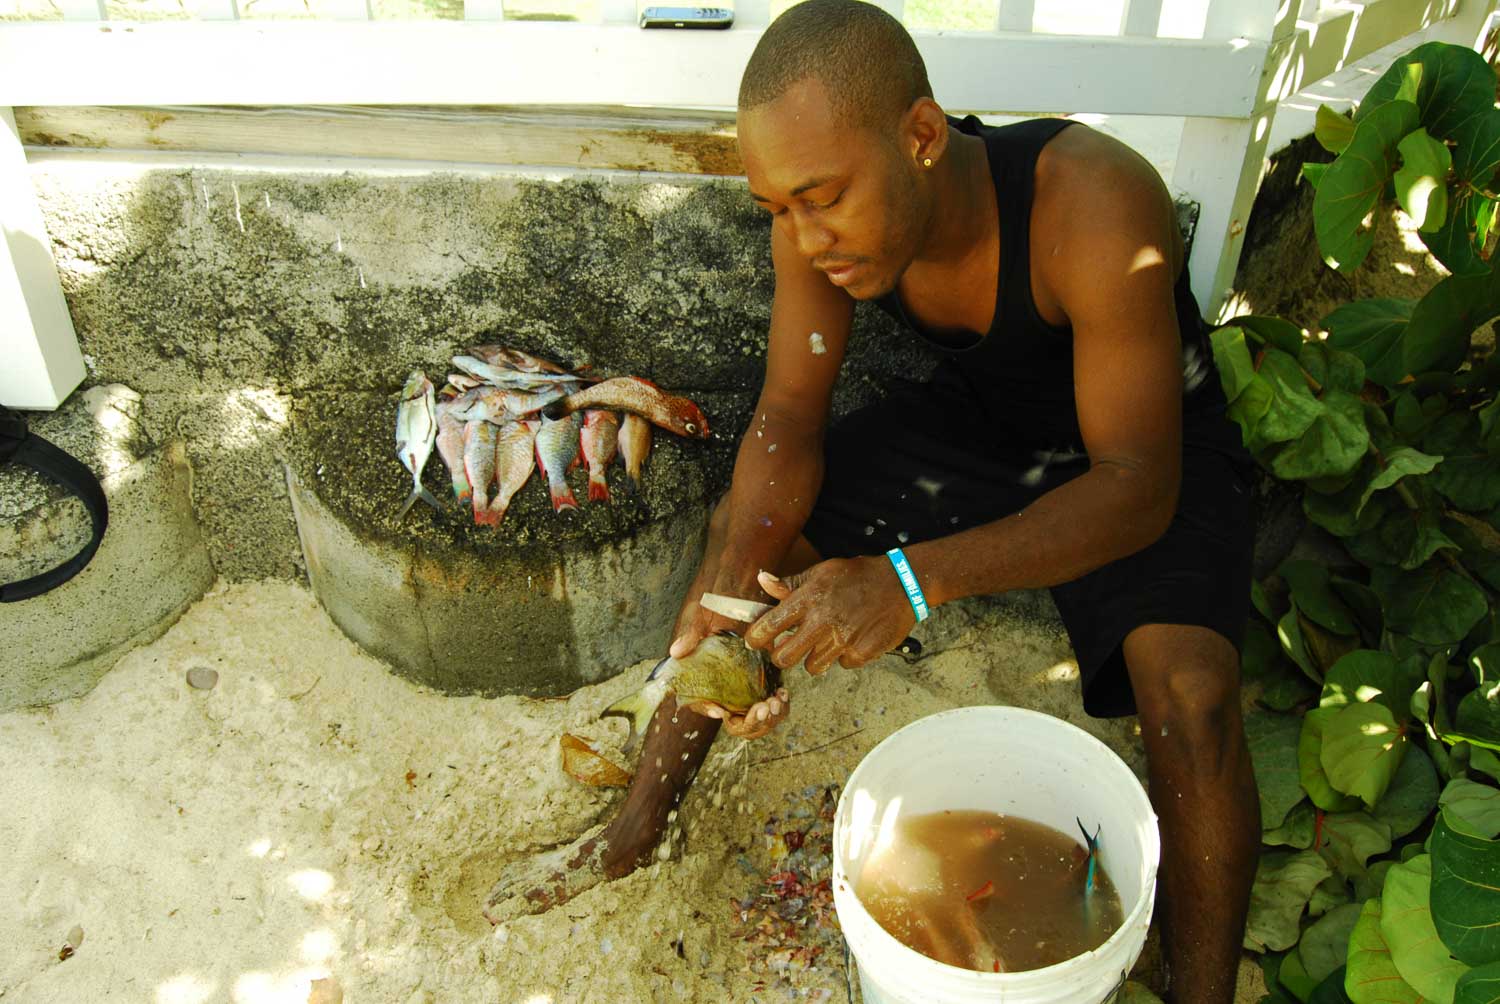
598, 489
636, 713
564, 500
1093, 844
495, 513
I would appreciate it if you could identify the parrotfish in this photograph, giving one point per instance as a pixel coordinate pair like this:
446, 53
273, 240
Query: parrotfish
600, 436
513, 463
556, 451
639, 397
479, 464
416, 430
721, 670
635, 446
450, 446
501, 404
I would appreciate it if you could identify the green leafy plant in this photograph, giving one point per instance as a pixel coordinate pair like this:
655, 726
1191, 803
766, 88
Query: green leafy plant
1376, 739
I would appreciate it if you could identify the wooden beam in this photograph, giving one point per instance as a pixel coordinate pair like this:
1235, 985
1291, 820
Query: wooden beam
529, 63
599, 139
42, 363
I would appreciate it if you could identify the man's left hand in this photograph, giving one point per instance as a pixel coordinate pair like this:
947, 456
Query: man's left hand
846, 610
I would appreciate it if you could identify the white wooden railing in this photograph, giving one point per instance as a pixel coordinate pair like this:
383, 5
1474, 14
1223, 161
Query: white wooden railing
1225, 84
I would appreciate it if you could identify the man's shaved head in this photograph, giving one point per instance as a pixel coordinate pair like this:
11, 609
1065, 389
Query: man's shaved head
863, 57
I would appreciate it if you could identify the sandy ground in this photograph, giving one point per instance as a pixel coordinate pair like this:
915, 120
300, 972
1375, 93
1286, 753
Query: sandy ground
314, 816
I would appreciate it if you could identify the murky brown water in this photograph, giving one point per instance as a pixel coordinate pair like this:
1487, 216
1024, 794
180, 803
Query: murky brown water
988, 892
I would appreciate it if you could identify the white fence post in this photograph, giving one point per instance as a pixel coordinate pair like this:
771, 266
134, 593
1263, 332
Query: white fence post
1220, 160
39, 359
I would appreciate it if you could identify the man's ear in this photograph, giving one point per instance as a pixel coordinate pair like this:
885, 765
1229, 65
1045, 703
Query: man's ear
924, 130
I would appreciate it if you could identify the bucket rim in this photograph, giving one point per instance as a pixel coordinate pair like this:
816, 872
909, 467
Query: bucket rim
1151, 851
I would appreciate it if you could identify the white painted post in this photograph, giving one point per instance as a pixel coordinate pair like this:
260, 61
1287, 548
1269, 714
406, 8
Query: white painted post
1220, 160
1140, 18
39, 359
1016, 15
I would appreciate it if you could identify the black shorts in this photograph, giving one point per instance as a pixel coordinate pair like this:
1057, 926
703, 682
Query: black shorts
920, 465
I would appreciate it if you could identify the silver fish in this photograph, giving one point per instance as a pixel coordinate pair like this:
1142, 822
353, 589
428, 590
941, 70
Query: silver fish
515, 359
479, 465
500, 405
500, 376
416, 430
556, 451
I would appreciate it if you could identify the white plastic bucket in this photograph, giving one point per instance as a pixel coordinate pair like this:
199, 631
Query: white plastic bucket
1014, 762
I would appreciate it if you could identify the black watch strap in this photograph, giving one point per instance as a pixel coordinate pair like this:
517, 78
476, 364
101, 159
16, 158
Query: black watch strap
19, 445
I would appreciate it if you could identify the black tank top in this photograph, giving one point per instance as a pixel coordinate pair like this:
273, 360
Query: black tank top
1020, 373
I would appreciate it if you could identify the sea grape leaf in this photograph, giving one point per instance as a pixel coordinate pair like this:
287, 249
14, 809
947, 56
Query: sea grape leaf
1232, 357
1466, 893
1456, 243
1403, 537
1350, 839
1353, 184
1431, 605
1324, 648
1406, 924
1289, 631
1484, 661
1478, 717
1372, 881
1295, 408
1369, 675
1470, 481
1362, 747
1398, 464
1332, 129
1479, 986
1443, 321
1448, 84
1412, 796
1332, 368
1472, 808
1296, 831
1331, 893
1310, 763
1274, 331
1313, 173
1313, 593
1365, 605
1332, 445
1293, 977
1331, 990
1342, 513
1422, 179
1372, 977
1325, 944
1273, 754
1485, 762
1372, 330
1283, 884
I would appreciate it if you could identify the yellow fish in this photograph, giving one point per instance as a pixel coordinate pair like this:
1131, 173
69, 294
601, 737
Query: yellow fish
721, 670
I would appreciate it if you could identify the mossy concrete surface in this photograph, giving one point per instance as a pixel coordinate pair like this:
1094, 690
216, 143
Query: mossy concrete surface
268, 319
152, 564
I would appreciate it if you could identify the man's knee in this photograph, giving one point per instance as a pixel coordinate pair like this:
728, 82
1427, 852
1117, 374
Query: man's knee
718, 521
1189, 703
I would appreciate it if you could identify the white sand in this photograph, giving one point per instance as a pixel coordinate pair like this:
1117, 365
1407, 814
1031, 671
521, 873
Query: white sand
314, 815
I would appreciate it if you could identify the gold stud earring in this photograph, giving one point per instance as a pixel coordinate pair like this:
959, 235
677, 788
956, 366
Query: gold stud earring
926, 161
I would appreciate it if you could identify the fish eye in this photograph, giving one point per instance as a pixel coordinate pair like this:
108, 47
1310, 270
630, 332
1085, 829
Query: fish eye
691, 427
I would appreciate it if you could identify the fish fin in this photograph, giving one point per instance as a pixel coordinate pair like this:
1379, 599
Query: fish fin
565, 500
426, 496
598, 490
636, 711
417, 493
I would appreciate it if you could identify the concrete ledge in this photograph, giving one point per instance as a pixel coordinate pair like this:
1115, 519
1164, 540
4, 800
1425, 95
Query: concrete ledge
151, 566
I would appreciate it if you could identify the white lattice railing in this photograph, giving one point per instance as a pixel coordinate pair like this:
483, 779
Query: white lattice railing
1225, 82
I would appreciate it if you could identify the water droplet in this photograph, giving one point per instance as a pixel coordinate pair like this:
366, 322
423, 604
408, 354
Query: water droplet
771, 448
869, 531
903, 536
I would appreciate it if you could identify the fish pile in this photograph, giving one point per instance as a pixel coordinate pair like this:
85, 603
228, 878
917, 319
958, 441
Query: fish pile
505, 412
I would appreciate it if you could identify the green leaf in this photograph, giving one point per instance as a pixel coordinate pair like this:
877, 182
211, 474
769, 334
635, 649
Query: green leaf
1361, 599
1295, 409
1466, 893
1471, 482
1310, 763
1406, 924
1472, 808
1333, 369
1486, 762
1478, 717
1448, 84
1362, 747
1331, 990
1367, 675
1313, 173
1350, 839
1412, 796
1293, 977
1336, 512
1325, 945
1313, 593
1485, 663
1333, 130
1274, 331
1273, 754
1397, 464
1134, 993
1289, 631
1403, 537
1372, 977
1422, 179
1232, 357
1352, 185
1442, 322
1333, 444
1489, 426
1372, 881
1456, 243
1296, 831
1479, 986
1283, 884
1431, 605
1371, 330
1331, 893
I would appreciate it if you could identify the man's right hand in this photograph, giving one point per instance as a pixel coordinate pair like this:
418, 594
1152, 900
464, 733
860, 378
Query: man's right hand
694, 624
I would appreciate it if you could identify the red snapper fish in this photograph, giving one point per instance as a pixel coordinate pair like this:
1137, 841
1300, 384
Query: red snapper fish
639, 397
601, 433
479, 464
635, 446
450, 446
556, 451
513, 463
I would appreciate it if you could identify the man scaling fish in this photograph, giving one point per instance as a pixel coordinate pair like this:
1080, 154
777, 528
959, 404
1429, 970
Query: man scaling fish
1043, 261
505, 406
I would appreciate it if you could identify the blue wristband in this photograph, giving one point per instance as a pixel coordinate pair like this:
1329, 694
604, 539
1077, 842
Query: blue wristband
909, 583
